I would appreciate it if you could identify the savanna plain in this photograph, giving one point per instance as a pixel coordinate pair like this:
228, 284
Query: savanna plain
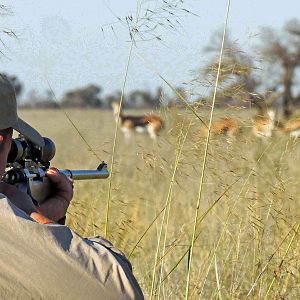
246, 243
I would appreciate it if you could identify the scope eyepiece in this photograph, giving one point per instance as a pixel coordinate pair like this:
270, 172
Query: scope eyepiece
22, 149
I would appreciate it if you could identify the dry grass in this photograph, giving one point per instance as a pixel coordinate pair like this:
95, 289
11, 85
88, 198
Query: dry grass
246, 244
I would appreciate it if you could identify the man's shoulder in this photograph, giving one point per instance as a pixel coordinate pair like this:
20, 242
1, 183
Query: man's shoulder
8, 209
29, 250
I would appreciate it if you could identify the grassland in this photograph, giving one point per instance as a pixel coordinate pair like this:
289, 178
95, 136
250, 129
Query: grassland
247, 242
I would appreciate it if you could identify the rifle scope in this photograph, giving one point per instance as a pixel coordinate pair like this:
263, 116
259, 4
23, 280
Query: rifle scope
22, 149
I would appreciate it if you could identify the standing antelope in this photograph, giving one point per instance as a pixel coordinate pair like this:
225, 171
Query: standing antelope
264, 124
224, 126
292, 127
150, 124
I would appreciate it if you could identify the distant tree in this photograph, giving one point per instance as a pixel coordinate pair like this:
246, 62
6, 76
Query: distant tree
142, 98
83, 98
159, 97
282, 53
109, 99
237, 82
175, 100
136, 99
47, 100
36, 100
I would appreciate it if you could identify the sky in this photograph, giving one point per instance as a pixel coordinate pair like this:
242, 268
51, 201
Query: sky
67, 44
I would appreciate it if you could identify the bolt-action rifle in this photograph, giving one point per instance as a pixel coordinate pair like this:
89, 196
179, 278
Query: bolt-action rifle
27, 165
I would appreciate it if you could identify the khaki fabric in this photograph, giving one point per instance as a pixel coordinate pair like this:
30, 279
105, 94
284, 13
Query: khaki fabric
8, 113
52, 262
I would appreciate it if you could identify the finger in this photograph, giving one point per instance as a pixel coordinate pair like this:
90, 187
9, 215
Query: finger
68, 178
71, 181
61, 182
55, 172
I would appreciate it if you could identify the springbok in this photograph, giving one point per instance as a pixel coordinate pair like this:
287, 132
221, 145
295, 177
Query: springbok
264, 124
150, 124
225, 126
292, 127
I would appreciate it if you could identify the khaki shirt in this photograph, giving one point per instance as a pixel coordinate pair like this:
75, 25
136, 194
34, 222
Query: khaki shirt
53, 262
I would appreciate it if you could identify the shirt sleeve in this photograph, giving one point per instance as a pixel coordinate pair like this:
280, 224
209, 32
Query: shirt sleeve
124, 274
102, 260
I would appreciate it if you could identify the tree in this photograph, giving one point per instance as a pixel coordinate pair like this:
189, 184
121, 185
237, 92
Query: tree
142, 98
282, 51
176, 100
237, 82
38, 100
83, 98
111, 98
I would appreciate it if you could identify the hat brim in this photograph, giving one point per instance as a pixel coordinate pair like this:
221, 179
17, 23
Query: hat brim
29, 133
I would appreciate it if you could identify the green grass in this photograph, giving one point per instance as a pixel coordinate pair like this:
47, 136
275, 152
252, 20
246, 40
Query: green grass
247, 243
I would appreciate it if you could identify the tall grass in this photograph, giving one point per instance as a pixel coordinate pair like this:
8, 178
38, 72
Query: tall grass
146, 22
205, 156
247, 244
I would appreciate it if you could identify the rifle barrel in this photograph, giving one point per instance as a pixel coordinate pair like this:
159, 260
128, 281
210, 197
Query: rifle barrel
86, 174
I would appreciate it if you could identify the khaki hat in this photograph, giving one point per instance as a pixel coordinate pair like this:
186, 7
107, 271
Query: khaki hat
8, 113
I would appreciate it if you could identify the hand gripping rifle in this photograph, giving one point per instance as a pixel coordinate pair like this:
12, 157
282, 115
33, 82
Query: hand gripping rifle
27, 165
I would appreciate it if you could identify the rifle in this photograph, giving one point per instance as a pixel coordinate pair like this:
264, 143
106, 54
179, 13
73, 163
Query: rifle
27, 165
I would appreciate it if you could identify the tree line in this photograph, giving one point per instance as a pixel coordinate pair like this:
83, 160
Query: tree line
90, 96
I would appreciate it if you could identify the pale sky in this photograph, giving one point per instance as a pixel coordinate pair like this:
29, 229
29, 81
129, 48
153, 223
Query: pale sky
61, 42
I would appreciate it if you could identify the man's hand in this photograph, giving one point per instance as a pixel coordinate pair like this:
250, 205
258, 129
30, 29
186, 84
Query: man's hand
55, 207
52, 209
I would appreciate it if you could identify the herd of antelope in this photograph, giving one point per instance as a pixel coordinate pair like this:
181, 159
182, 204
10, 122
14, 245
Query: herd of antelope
263, 125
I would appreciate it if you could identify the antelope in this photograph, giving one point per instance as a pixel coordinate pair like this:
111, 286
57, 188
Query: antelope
292, 127
224, 126
264, 124
150, 124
